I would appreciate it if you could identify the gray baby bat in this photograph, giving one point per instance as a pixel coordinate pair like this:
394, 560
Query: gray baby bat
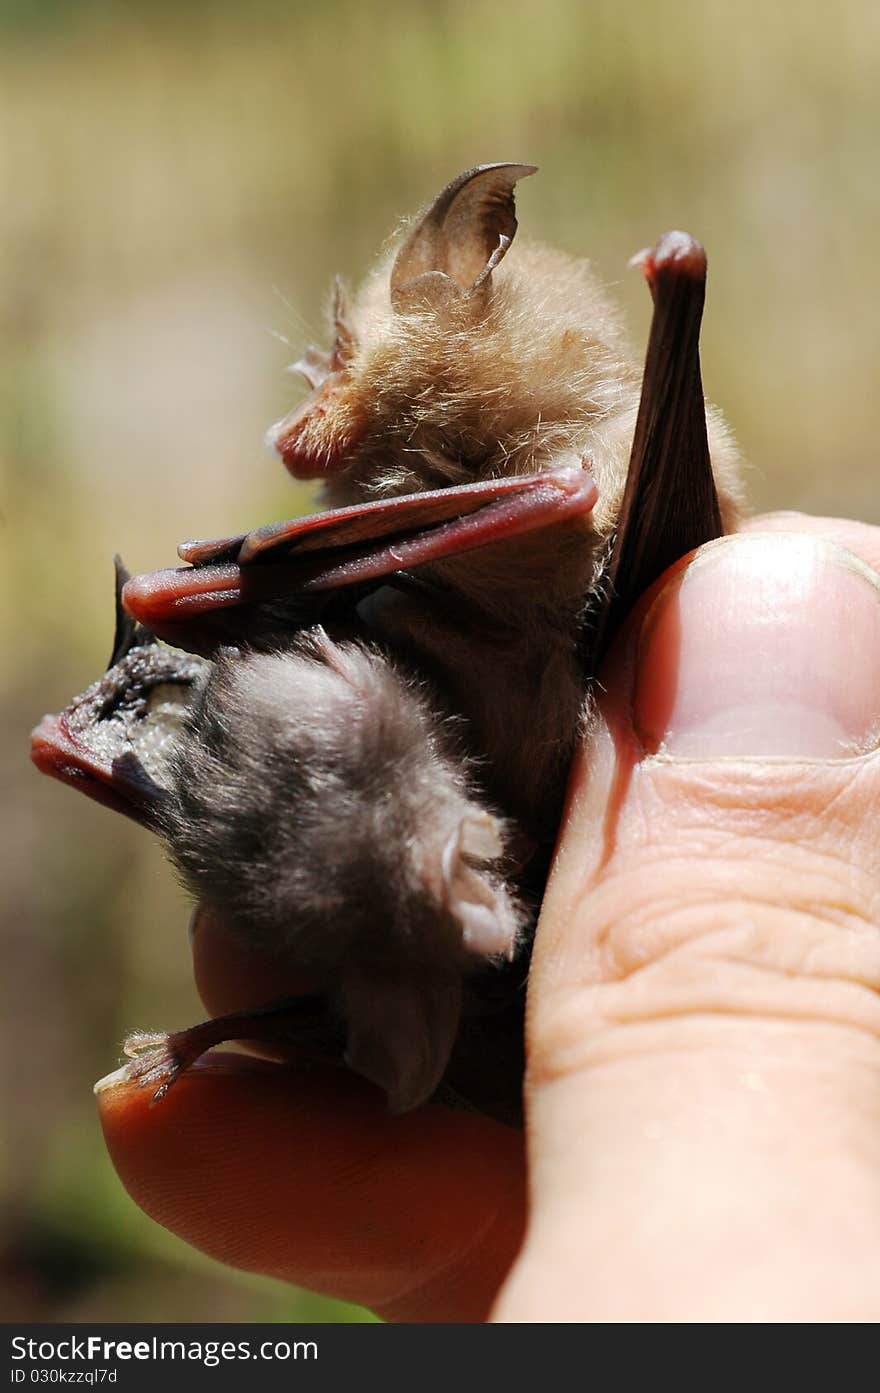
353, 730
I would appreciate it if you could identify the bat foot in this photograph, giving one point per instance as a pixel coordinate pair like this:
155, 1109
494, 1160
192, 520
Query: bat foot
159, 1059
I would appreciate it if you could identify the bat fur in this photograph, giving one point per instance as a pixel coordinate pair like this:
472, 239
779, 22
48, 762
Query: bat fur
379, 800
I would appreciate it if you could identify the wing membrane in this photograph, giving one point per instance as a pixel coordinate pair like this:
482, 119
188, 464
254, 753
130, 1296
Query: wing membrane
346, 547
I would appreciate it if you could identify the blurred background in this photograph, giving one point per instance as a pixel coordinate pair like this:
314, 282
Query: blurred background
179, 185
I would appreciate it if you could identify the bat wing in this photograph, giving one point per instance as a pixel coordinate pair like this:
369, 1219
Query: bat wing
113, 741
306, 558
670, 503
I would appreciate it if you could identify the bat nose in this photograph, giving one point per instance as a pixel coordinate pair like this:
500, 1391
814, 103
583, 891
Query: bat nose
311, 439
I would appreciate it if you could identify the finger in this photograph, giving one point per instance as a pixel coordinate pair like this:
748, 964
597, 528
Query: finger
306, 1176
232, 976
857, 537
704, 1021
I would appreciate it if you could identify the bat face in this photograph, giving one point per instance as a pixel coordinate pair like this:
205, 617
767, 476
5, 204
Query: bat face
458, 361
449, 392
465, 357
359, 756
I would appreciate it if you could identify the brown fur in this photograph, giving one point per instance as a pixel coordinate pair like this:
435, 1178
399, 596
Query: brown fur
533, 374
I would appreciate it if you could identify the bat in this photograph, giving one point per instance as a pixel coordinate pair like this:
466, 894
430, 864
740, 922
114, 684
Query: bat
352, 730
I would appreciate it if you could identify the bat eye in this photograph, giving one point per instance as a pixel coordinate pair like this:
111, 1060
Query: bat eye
458, 459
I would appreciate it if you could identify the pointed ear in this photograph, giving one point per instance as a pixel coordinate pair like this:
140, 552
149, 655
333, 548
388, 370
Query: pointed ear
457, 243
128, 633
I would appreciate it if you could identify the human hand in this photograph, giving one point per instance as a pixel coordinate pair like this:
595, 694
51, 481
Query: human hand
703, 1129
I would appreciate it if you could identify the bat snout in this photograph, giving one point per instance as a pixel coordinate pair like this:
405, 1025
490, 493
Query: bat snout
312, 439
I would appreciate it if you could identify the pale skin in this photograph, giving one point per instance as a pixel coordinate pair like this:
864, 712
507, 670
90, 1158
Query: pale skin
703, 1089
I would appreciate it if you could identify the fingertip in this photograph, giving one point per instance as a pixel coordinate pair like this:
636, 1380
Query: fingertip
305, 1176
231, 975
743, 652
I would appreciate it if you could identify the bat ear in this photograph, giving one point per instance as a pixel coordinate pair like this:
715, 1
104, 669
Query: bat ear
455, 245
128, 633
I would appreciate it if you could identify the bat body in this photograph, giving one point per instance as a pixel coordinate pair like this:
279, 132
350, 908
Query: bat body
360, 761
432, 383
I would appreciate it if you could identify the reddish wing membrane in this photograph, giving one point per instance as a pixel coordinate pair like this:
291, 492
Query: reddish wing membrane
346, 546
362, 522
670, 503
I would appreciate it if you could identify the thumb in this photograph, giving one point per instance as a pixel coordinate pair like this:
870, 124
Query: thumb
704, 1117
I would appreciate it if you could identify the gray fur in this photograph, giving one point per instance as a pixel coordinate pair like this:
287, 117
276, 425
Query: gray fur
323, 807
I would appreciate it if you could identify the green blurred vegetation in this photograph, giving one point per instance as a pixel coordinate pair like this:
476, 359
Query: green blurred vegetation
180, 184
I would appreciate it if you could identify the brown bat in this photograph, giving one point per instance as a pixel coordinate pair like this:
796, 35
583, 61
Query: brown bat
356, 746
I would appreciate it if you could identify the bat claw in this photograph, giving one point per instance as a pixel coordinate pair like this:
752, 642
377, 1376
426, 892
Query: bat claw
138, 1041
160, 1059
157, 1059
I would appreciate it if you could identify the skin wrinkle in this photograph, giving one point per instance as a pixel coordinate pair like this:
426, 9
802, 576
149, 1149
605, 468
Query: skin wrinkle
648, 902
766, 1045
802, 840
820, 879
652, 843
796, 971
746, 796
666, 923
747, 811
742, 980
836, 809
675, 930
566, 1050
845, 977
